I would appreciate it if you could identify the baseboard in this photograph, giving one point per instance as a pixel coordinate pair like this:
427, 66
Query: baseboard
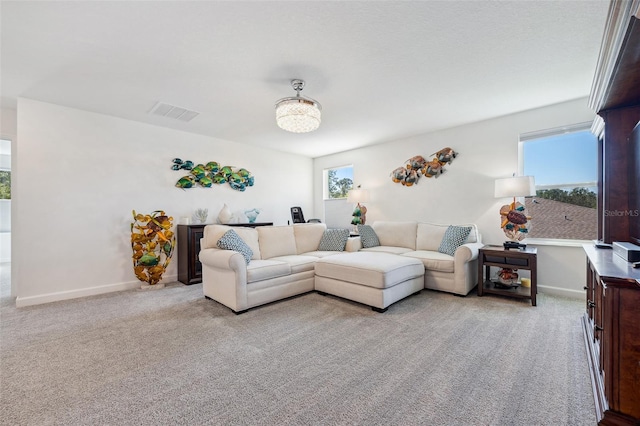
83, 292
563, 292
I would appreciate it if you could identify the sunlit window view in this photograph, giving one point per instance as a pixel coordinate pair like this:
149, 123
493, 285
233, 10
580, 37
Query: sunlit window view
339, 182
564, 164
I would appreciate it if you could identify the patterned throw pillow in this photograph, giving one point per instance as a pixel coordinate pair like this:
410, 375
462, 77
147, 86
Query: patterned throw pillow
232, 241
368, 236
454, 237
334, 240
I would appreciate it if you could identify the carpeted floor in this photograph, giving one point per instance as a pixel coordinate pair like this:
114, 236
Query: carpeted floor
170, 356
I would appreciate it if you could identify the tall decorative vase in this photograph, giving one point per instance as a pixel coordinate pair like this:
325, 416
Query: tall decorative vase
225, 215
152, 242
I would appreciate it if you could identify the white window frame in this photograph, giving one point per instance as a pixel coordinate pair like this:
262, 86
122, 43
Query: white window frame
524, 137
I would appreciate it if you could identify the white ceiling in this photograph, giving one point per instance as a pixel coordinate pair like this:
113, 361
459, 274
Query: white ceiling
381, 70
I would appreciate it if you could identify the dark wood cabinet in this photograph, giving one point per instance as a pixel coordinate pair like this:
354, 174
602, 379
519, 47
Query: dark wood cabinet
189, 267
611, 327
615, 96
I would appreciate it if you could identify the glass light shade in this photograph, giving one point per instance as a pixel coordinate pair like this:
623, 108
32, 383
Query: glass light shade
516, 186
298, 115
358, 196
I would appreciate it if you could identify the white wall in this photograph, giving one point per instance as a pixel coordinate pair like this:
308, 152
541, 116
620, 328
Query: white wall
80, 174
465, 192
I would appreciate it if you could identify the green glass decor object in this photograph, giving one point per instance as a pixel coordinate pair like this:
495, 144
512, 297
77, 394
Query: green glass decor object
178, 164
210, 173
152, 243
185, 182
252, 215
212, 167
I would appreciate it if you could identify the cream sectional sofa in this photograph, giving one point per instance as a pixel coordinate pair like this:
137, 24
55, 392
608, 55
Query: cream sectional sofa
457, 274
282, 264
284, 258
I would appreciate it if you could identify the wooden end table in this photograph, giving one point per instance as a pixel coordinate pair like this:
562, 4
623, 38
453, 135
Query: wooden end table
500, 257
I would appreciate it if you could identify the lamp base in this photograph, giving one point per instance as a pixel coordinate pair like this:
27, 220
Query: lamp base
508, 245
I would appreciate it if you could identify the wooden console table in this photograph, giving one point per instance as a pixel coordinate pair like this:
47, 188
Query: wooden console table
499, 257
189, 267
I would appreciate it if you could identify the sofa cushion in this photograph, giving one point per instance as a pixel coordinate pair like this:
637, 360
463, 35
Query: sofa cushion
276, 241
368, 236
388, 249
308, 236
318, 254
231, 241
379, 270
212, 233
454, 237
249, 236
430, 235
396, 234
334, 240
259, 270
297, 263
433, 260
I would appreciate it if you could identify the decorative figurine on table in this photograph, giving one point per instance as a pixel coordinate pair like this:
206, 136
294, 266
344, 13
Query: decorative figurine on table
359, 215
252, 215
515, 222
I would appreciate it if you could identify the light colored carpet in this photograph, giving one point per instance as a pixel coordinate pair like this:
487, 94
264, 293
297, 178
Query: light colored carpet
172, 357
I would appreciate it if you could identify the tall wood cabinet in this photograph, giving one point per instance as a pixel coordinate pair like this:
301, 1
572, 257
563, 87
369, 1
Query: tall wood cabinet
612, 319
612, 336
615, 97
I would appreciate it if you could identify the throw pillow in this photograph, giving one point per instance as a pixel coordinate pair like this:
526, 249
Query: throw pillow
454, 237
368, 236
232, 241
334, 240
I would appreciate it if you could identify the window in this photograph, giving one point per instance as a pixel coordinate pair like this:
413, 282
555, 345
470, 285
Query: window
5, 169
5, 191
564, 163
338, 182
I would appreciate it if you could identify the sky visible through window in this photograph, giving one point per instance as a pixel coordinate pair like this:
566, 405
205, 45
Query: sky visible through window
562, 159
345, 172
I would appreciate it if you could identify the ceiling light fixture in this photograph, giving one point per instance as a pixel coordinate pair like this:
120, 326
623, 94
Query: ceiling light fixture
298, 114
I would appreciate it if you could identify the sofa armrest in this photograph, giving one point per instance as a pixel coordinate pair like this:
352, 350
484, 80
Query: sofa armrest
353, 244
467, 252
222, 259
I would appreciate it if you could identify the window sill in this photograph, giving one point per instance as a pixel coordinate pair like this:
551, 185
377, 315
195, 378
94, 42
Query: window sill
556, 242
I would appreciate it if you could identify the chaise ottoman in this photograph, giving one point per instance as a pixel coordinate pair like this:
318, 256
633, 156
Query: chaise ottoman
375, 279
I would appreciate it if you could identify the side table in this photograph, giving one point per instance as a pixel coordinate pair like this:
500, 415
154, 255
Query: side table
499, 257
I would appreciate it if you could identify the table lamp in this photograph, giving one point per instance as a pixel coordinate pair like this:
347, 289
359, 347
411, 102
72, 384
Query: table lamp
514, 219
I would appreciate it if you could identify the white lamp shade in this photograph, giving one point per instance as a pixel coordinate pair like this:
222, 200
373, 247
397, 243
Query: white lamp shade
516, 186
358, 196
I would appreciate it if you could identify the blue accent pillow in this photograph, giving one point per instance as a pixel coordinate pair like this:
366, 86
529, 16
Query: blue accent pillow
368, 236
334, 240
454, 237
232, 241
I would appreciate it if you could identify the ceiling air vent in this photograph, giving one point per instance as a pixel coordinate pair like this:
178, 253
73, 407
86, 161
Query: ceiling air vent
172, 111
